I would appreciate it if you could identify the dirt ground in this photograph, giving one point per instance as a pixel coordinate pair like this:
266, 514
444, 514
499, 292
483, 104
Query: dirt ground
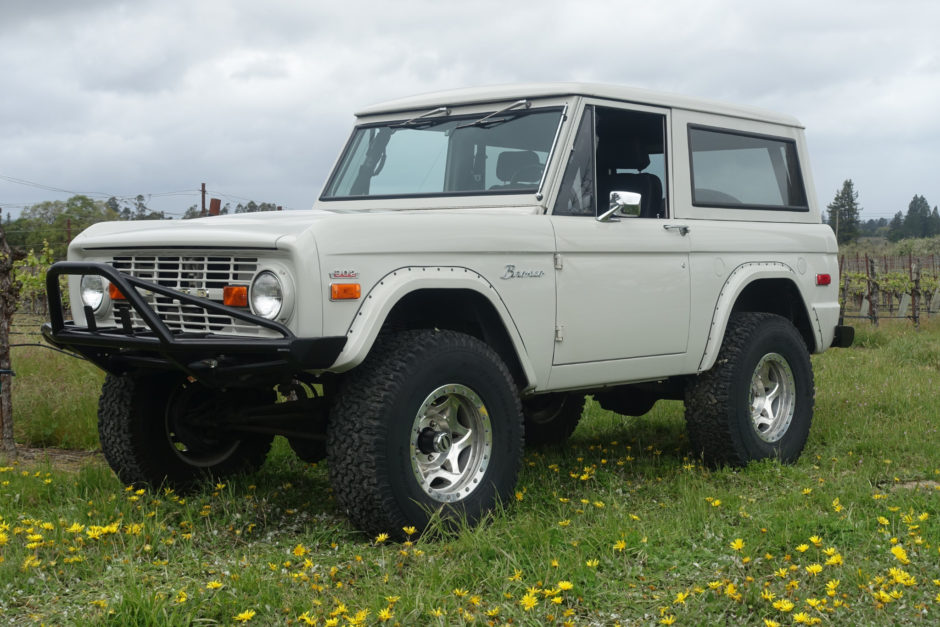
57, 458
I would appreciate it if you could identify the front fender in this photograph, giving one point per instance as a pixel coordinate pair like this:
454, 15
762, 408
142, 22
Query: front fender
390, 289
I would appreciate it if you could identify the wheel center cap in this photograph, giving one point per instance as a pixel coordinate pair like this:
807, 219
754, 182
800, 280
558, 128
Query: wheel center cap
442, 442
431, 441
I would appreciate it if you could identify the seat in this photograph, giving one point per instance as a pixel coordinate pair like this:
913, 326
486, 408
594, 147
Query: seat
647, 185
612, 155
517, 169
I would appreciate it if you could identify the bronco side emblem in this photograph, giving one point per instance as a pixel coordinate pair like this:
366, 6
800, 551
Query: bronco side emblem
512, 273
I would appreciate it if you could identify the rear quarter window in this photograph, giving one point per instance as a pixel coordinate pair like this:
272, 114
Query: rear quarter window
732, 169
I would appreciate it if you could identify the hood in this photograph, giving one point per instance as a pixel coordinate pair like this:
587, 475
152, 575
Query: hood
244, 230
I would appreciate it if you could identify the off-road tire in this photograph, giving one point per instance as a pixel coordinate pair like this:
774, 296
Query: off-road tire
375, 431
132, 426
762, 352
551, 418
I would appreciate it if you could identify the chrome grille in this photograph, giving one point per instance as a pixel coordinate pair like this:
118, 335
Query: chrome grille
197, 275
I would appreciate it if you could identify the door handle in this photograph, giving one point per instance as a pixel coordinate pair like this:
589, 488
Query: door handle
682, 228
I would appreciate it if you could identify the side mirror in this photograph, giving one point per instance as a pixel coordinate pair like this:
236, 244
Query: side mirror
622, 205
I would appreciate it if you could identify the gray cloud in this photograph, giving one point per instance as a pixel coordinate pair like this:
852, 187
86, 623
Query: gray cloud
256, 98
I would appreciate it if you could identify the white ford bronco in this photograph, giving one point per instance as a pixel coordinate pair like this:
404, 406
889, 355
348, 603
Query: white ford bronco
478, 261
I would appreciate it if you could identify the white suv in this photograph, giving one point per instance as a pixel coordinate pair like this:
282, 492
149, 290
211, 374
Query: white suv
478, 261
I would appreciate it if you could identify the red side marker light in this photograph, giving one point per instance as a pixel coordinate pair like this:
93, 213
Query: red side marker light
823, 279
235, 295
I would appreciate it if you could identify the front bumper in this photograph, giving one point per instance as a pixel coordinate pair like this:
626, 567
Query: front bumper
214, 359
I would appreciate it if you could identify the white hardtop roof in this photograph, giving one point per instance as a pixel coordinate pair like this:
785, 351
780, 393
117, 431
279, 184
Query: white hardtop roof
517, 91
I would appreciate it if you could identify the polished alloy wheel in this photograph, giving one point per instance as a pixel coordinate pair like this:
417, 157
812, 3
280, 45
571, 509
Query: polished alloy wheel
773, 397
451, 443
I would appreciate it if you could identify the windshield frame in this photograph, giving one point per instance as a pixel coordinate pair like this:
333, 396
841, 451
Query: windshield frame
465, 114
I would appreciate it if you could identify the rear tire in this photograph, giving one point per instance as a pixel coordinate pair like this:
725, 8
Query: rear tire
162, 429
551, 418
429, 422
757, 400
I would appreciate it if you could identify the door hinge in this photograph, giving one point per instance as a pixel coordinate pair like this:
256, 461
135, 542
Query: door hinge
558, 262
559, 333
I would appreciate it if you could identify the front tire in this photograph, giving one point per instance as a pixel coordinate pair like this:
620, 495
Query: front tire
430, 421
162, 429
757, 400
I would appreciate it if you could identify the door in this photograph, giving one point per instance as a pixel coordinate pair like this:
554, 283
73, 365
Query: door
622, 285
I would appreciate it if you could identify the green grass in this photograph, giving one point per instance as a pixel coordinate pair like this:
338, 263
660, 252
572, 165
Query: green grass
641, 531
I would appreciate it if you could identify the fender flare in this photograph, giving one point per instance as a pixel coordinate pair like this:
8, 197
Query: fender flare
391, 288
742, 276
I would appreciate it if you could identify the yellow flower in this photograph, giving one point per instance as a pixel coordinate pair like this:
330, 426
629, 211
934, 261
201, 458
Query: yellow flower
620, 545
814, 569
801, 617
460, 592
768, 595
737, 544
299, 550
783, 605
181, 596
409, 530
681, 597
771, 623
516, 575
528, 602
835, 560
816, 540
900, 554
802, 548
592, 563
307, 619
564, 523
565, 585
831, 587
100, 603
244, 617
883, 521
667, 620
382, 537
386, 614
214, 585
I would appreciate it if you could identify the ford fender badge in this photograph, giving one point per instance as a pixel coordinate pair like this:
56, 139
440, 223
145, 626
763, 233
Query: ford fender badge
343, 274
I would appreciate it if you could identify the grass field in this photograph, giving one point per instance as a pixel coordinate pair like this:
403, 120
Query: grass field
621, 526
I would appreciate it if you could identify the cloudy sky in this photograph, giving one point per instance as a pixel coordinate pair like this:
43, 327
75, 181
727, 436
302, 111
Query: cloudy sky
255, 97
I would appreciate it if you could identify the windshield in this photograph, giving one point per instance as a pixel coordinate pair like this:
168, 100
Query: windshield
454, 155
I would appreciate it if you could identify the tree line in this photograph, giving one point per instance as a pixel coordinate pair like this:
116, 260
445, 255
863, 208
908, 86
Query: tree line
843, 216
51, 224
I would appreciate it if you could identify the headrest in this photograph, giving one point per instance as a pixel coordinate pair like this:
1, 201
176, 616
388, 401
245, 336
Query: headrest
509, 163
614, 154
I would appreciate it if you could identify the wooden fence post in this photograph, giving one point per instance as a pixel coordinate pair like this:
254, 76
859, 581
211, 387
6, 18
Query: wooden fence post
873, 292
9, 294
915, 294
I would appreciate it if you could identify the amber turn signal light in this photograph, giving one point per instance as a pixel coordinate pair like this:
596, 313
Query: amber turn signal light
235, 295
345, 291
115, 293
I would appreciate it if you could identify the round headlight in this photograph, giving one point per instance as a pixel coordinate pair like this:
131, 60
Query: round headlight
267, 295
94, 288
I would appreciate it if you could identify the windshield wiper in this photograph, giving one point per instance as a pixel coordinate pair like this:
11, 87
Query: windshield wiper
486, 119
414, 120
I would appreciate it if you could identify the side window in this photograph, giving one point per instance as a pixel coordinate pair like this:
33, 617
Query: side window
631, 157
732, 169
576, 196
